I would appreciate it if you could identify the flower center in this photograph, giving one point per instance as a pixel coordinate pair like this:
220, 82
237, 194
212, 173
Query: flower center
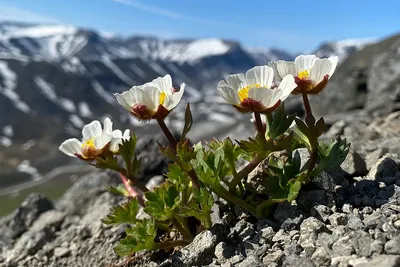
88, 143
162, 97
244, 92
304, 74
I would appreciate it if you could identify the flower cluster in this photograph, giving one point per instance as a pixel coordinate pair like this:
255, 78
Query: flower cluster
200, 170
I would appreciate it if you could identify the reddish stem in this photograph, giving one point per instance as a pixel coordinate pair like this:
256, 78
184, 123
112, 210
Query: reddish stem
130, 189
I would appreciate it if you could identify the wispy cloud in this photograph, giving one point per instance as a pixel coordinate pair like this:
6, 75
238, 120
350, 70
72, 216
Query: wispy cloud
163, 12
10, 13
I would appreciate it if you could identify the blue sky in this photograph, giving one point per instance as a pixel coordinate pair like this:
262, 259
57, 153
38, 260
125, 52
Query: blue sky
292, 25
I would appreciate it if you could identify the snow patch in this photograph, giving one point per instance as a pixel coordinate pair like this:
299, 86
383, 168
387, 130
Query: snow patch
8, 131
76, 121
46, 88
25, 167
67, 104
84, 110
103, 93
5, 141
29, 144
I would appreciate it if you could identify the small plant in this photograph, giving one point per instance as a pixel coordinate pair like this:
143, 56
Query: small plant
182, 204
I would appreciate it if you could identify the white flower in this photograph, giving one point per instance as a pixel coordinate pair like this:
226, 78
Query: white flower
95, 140
254, 91
117, 138
311, 73
152, 100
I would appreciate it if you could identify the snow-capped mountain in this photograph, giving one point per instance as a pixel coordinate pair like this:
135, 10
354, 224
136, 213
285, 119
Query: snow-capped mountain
342, 48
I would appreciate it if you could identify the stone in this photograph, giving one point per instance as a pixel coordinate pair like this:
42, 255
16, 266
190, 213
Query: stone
199, 252
297, 261
267, 234
338, 219
372, 220
321, 212
343, 246
376, 247
321, 257
28, 212
382, 261
384, 167
288, 216
361, 242
393, 246
223, 252
354, 222
312, 224
273, 257
326, 240
358, 261
327, 180
61, 252
250, 261
243, 229
342, 261
50, 219
354, 164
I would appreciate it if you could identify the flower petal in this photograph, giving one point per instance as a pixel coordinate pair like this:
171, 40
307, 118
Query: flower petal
172, 100
262, 75
91, 130
150, 96
266, 96
164, 84
114, 144
101, 141
107, 125
71, 147
304, 62
127, 134
229, 94
321, 68
117, 134
287, 85
286, 68
334, 60
236, 81
128, 98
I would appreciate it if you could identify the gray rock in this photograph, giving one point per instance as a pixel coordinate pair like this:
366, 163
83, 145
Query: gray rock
354, 222
61, 252
244, 230
292, 249
382, 261
327, 180
354, 164
29, 243
250, 261
267, 234
223, 252
273, 257
376, 247
372, 220
361, 243
297, 261
343, 246
199, 252
338, 219
393, 246
321, 212
384, 167
321, 257
50, 219
28, 212
312, 224
288, 216
326, 240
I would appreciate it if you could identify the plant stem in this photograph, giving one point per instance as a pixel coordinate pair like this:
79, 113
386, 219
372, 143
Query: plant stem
225, 194
170, 244
259, 124
244, 172
130, 190
162, 225
184, 231
138, 184
171, 139
307, 106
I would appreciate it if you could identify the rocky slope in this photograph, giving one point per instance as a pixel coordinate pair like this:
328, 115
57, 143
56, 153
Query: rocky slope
346, 217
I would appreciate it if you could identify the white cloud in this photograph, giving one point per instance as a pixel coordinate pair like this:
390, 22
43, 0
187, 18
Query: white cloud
9, 13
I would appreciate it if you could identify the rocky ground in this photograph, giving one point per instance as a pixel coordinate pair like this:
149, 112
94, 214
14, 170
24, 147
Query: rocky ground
348, 216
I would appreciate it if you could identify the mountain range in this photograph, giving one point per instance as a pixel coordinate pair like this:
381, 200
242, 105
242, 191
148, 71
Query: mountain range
56, 78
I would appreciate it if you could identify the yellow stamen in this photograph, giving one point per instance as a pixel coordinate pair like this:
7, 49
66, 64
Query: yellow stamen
88, 143
304, 74
162, 97
244, 92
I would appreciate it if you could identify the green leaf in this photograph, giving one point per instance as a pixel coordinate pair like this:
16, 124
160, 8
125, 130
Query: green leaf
162, 202
280, 122
108, 162
127, 148
124, 213
118, 190
199, 206
331, 154
188, 122
294, 191
139, 237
